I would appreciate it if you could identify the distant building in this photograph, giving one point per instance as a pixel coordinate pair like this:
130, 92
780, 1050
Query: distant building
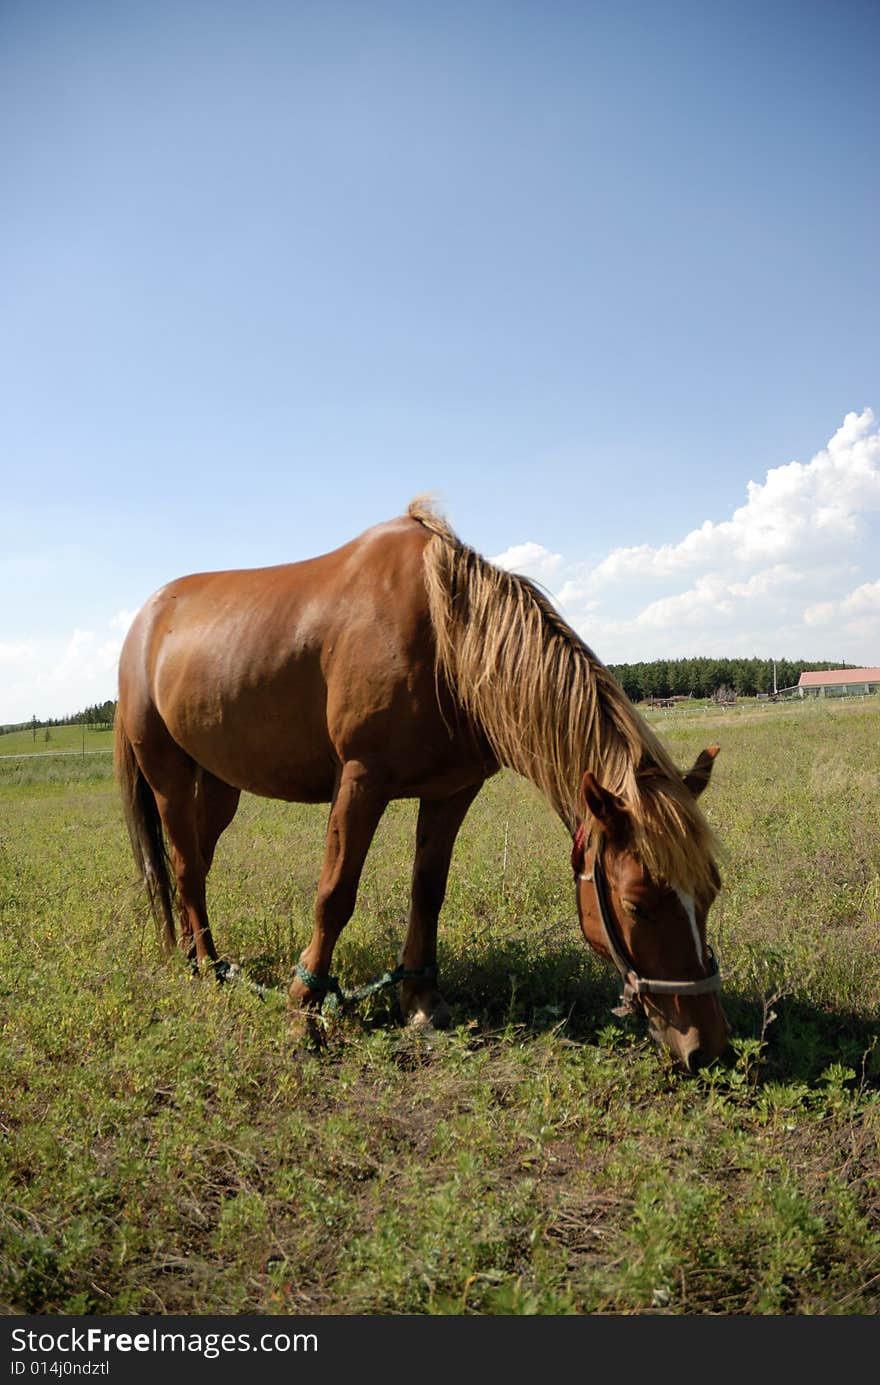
839, 682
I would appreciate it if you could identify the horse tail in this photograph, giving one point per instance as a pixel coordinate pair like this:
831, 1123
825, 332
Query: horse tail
145, 830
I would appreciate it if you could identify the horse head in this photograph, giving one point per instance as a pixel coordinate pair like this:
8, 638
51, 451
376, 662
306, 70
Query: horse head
653, 931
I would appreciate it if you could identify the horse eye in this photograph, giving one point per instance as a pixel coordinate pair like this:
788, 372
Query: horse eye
632, 909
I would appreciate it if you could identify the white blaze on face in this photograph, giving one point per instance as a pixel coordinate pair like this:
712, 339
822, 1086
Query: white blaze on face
687, 904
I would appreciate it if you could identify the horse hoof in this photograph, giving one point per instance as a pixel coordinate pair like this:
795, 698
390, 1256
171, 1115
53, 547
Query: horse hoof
430, 1013
224, 971
308, 1030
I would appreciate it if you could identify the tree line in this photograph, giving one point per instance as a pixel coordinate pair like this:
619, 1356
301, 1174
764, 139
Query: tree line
705, 677
641, 682
98, 718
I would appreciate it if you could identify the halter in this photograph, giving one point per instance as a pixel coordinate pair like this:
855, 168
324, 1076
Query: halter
633, 984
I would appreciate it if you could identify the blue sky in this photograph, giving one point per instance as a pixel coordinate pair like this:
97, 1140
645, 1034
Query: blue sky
603, 276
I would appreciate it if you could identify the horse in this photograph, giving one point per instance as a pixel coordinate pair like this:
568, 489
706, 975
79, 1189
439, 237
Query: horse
406, 665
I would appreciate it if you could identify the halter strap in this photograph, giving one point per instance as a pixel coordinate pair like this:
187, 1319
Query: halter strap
633, 984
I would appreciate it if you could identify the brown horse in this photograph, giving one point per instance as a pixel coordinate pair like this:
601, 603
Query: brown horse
404, 665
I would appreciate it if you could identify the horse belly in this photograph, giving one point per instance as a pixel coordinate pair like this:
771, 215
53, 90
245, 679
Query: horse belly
264, 733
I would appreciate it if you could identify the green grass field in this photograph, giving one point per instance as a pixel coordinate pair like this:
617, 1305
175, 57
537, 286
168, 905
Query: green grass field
61, 739
166, 1148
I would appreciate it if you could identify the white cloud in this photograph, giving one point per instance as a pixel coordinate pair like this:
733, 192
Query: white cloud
58, 675
797, 509
779, 576
16, 654
768, 580
864, 600
86, 659
708, 598
530, 560
122, 621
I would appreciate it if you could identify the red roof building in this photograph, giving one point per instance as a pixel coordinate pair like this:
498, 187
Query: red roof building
838, 682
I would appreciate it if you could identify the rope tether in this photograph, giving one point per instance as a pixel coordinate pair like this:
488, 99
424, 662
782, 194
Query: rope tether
231, 971
339, 997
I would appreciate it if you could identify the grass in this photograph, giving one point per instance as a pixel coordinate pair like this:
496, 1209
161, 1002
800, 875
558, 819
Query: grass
72, 755
61, 740
166, 1148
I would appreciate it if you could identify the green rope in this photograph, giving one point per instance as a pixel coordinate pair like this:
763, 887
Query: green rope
335, 996
232, 972
339, 997
318, 983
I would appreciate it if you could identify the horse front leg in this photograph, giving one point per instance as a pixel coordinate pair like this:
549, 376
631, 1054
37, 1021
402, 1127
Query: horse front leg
357, 807
422, 1002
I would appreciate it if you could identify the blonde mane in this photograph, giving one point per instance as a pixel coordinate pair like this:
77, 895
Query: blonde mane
550, 709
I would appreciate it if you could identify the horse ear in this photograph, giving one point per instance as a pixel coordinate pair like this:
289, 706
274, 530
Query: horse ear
605, 807
698, 776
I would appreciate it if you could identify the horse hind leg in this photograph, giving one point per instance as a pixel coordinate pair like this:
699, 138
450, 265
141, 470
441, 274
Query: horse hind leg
439, 821
179, 815
194, 826
194, 808
216, 804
